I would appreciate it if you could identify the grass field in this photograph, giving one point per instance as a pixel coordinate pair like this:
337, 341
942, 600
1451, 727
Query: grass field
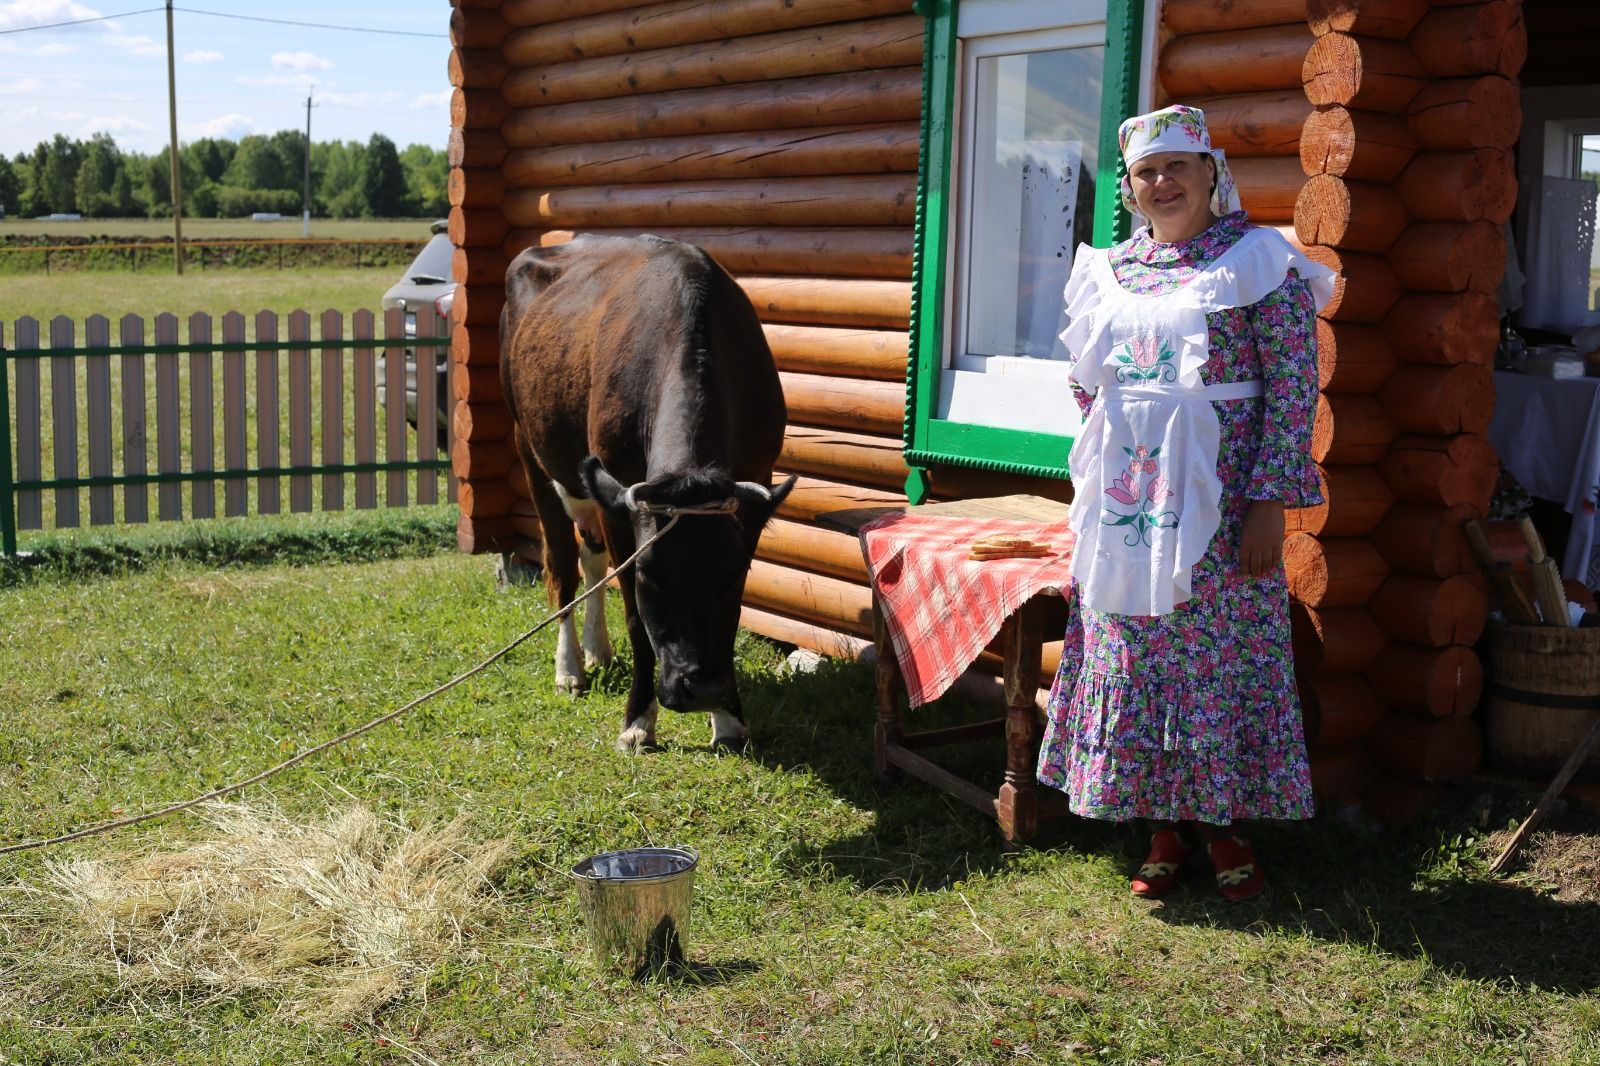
836, 920
200, 229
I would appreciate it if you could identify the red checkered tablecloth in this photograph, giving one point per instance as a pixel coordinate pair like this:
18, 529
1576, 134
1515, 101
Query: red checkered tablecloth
940, 607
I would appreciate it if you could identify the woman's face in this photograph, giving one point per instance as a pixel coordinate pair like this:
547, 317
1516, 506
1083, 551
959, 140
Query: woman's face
1173, 190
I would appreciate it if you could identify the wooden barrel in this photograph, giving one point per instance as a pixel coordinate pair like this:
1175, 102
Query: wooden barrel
1543, 694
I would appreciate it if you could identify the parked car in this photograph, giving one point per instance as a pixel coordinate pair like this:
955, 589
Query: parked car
426, 281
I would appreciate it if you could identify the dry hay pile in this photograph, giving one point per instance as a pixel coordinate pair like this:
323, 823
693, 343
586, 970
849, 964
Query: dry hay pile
334, 919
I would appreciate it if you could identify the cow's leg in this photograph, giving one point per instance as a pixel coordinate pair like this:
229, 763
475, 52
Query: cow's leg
596, 640
639, 720
727, 726
561, 564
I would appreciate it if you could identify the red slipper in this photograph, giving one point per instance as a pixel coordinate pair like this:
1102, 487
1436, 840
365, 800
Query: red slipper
1239, 875
1159, 874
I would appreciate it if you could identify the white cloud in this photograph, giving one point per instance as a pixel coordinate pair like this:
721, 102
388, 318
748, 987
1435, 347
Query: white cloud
230, 125
135, 44
20, 87
55, 49
301, 61
21, 13
113, 124
277, 81
361, 100
203, 55
438, 99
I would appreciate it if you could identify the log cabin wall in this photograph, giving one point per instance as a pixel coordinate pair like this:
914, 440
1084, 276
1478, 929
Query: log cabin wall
781, 135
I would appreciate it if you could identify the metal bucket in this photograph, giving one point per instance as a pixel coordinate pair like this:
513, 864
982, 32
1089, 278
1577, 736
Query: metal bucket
636, 904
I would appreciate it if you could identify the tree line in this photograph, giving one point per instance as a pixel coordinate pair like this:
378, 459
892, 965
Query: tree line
226, 179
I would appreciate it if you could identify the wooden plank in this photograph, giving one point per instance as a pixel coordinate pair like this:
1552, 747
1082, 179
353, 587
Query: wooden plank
64, 418
267, 416
933, 774
394, 380
300, 411
30, 505
841, 252
169, 440
427, 405
97, 379
364, 404
332, 411
135, 445
235, 452
202, 418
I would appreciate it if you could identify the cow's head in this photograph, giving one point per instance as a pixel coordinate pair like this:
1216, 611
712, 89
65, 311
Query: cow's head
688, 585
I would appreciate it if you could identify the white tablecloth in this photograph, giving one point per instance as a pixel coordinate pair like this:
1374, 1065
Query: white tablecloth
1547, 431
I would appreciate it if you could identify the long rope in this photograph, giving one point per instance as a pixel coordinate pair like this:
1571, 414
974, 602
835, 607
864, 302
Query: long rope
673, 513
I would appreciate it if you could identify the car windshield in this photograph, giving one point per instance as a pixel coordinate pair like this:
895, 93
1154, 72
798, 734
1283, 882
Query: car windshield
432, 264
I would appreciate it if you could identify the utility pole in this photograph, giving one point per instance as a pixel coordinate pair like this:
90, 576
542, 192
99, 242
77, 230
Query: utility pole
305, 203
177, 173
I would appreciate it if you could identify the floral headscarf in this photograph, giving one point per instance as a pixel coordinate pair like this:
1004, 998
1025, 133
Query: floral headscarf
1175, 129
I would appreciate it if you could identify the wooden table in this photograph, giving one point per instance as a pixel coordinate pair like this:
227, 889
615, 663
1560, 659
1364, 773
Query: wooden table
1018, 804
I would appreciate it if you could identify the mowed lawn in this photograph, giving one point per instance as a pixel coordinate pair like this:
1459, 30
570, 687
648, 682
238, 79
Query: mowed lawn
200, 229
836, 920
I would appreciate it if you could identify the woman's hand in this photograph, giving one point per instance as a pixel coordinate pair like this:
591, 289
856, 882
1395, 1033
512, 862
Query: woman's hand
1261, 538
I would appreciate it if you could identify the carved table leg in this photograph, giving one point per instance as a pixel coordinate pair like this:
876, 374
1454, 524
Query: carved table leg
890, 728
1017, 806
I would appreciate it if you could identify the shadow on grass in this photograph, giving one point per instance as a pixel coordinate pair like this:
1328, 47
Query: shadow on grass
1401, 891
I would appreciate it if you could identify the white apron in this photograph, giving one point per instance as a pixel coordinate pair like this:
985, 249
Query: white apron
1147, 496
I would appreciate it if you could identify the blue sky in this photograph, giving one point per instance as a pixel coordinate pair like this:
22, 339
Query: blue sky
234, 77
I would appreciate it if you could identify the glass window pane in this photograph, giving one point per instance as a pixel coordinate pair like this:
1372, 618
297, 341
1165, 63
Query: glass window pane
1036, 135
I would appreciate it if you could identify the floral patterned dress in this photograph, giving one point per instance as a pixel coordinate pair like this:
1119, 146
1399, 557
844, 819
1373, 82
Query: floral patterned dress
1194, 715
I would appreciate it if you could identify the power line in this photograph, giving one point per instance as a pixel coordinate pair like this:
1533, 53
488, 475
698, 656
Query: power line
80, 22
310, 25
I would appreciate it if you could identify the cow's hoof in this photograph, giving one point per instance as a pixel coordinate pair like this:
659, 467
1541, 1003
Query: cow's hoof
635, 740
593, 661
730, 745
570, 686
728, 733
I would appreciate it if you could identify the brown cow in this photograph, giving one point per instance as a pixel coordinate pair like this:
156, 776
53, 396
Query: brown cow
639, 378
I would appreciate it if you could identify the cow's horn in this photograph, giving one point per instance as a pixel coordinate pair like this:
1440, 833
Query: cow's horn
628, 499
752, 488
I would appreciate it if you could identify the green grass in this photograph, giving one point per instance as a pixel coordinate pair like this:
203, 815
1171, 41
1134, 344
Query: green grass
200, 229
836, 920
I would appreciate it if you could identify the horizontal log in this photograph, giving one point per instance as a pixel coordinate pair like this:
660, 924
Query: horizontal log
475, 345
1490, 38
873, 407
1444, 471
484, 499
1268, 187
1256, 124
478, 306
830, 301
1350, 428
1397, 803
483, 535
1347, 709
829, 150
858, 458
961, 483
851, 200
807, 547
1427, 749
836, 504
1435, 682
477, 109
1360, 145
1392, 19
476, 68
1234, 61
1425, 541
1433, 612
535, 12
821, 639
1339, 776
1442, 400
475, 28
1364, 289
1336, 572
1355, 499
1450, 257
1459, 113
475, 188
1352, 358
1361, 216
517, 479
478, 266
850, 251
1442, 329
480, 460
1365, 73
477, 384
867, 45
481, 421
678, 22
477, 227
814, 598
851, 353
1334, 640
1206, 16
856, 98
475, 148
1459, 186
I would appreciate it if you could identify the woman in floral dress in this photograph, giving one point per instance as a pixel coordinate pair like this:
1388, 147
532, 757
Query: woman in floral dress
1187, 716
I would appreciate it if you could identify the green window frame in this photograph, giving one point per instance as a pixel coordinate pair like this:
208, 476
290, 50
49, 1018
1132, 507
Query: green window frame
931, 441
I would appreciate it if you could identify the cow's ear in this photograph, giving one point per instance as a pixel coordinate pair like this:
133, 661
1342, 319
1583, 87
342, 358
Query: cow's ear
762, 501
604, 489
